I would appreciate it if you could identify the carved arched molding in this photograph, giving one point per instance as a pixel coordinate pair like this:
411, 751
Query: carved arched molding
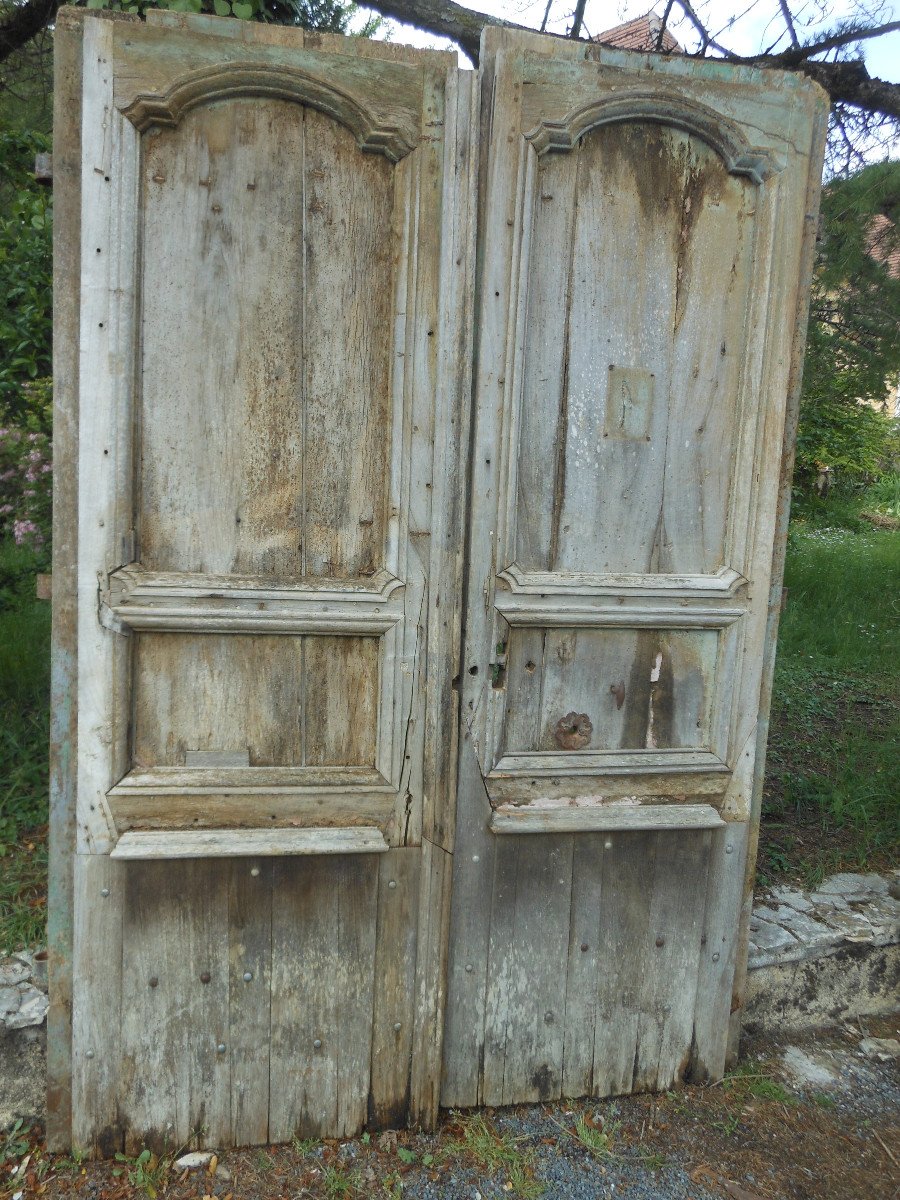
726, 138
372, 132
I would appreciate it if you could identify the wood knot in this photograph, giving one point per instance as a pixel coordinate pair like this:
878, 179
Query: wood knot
573, 731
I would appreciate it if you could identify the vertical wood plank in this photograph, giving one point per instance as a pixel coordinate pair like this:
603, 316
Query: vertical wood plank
176, 1081
628, 877
109, 208
584, 965
67, 67
249, 999
718, 954
346, 281
323, 951
671, 953
470, 932
534, 961
395, 975
99, 900
431, 987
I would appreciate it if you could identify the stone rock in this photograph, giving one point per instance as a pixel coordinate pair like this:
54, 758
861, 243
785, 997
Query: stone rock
850, 926
32, 1010
769, 937
853, 887
883, 1049
10, 999
195, 1159
792, 898
13, 971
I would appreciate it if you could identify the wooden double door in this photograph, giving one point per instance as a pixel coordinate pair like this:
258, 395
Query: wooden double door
418, 703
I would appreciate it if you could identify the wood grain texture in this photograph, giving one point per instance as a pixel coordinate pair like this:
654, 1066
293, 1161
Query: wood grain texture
63, 669
232, 843
249, 996
98, 1124
323, 956
587, 819
175, 997
285, 700
394, 994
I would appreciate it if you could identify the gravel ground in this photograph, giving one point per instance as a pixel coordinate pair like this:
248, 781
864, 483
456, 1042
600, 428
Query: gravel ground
799, 1119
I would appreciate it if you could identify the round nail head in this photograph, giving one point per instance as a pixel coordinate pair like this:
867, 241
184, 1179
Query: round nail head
104, 891
248, 975
205, 976
397, 1027
153, 981
254, 871
317, 1044
392, 884
221, 1047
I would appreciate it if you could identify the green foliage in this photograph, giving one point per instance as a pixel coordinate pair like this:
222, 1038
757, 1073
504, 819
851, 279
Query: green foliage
835, 733
26, 255
853, 348
883, 495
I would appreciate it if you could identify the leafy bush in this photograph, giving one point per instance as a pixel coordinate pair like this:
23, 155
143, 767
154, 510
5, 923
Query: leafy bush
853, 347
26, 261
26, 474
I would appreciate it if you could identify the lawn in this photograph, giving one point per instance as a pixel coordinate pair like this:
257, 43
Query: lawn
831, 797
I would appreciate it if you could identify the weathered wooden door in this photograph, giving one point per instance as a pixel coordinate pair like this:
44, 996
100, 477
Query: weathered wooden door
643, 237
266, 409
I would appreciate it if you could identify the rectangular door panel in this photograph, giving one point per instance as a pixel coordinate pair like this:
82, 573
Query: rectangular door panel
275, 256
644, 229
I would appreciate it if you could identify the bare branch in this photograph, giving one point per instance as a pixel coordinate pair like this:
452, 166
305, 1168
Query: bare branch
660, 37
789, 21
577, 19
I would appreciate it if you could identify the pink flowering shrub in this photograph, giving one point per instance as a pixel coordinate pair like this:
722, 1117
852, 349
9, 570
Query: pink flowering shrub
26, 486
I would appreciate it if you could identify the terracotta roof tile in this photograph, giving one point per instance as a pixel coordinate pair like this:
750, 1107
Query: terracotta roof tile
640, 34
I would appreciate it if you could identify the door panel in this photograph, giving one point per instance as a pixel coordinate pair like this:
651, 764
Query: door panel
276, 253
642, 232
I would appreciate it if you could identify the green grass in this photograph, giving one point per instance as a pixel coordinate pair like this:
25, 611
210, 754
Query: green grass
24, 722
831, 788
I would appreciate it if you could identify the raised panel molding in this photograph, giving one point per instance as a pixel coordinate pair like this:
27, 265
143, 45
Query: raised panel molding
373, 132
660, 108
174, 602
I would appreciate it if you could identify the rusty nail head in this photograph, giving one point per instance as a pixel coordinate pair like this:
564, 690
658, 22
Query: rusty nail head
153, 981
584, 947
660, 941
205, 977
548, 1018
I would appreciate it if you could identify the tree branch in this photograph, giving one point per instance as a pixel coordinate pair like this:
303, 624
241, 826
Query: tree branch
577, 19
21, 22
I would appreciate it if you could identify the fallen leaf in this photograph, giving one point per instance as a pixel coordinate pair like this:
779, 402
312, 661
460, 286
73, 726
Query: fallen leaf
213, 1163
